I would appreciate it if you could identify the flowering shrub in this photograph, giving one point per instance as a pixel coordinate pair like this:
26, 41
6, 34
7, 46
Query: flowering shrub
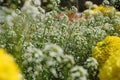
51, 63
111, 68
8, 68
106, 48
24, 34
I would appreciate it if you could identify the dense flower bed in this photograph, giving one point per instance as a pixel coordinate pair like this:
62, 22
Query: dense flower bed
67, 46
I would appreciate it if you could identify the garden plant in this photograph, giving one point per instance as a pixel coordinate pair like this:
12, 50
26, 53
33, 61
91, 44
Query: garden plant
61, 45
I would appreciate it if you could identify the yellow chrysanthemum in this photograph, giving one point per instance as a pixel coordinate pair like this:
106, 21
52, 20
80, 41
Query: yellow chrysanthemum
111, 69
104, 49
105, 10
8, 67
99, 8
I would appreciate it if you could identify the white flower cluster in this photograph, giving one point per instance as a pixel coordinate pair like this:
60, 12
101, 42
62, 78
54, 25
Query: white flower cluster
37, 63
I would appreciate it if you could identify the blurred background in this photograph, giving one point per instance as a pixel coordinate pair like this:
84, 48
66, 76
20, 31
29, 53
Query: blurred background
47, 4
63, 5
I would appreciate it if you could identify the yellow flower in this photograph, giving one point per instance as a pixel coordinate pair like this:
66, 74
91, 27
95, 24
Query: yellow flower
95, 10
99, 8
8, 68
104, 49
105, 10
111, 69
